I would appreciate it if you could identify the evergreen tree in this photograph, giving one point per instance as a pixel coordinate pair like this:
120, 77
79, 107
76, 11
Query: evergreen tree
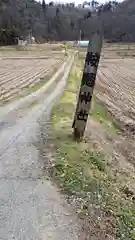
43, 5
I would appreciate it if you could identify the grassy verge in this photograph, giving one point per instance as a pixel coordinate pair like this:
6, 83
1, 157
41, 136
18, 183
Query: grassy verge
100, 114
84, 172
29, 90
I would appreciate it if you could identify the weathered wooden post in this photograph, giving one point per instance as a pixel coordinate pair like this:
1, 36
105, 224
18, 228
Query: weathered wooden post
87, 85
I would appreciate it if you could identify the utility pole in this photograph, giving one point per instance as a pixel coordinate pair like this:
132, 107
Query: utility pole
30, 37
87, 85
80, 36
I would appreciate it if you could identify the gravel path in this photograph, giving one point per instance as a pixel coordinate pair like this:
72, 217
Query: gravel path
31, 207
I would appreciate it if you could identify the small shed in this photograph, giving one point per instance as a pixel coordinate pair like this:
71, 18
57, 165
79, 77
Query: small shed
82, 43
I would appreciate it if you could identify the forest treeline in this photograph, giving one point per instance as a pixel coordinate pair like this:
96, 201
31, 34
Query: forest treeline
19, 18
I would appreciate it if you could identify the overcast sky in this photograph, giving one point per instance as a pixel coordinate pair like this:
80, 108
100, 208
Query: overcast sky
78, 1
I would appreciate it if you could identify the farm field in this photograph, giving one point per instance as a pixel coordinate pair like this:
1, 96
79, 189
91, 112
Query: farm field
34, 50
116, 85
24, 69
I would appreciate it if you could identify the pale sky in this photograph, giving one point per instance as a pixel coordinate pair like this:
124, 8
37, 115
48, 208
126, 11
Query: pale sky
78, 1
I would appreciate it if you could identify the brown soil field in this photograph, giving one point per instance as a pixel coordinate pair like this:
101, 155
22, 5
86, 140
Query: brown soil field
23, 69
115, 89
116, 85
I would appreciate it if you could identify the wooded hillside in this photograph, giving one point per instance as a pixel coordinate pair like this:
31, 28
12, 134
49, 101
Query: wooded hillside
64, 21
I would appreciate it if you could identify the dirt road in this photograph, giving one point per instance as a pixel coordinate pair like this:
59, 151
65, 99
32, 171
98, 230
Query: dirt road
31, 207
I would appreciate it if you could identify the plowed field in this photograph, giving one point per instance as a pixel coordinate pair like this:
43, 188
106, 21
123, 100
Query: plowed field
22, 69
116, 86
